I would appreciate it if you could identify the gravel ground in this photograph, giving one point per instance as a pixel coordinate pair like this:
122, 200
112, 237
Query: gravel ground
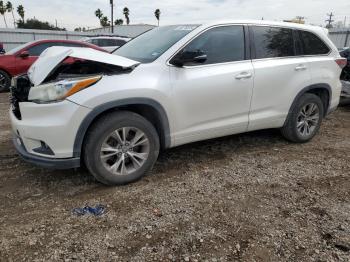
249, 197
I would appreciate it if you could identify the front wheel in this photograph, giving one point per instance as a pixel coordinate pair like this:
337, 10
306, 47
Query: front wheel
305, 119
120, 148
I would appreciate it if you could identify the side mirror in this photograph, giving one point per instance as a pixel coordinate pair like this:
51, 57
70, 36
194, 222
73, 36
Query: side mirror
185, 57
24, 54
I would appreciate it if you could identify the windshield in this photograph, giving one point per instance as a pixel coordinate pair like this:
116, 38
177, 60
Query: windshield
149, 46
16, 49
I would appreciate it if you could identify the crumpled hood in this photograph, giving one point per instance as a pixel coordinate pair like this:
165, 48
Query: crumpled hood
53, 56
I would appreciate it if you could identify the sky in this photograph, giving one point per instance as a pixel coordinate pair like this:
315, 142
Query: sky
71, 14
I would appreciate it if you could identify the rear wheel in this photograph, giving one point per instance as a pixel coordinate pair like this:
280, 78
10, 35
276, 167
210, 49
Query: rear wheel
5, 81
305, 119
120, 148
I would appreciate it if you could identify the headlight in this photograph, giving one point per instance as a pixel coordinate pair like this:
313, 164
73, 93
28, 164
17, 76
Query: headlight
60, 90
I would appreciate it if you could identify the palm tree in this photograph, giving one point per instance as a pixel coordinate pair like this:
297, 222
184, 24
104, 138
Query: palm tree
118, 22
99, 14
104, 21
126, 14
3, 11
20, 11
9, 8
157, 14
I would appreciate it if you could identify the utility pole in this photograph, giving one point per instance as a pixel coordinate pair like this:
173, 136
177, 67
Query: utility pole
329, 20
112, 23
345, 22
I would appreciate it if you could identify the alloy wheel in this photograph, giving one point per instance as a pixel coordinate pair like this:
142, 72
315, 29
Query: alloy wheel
308, 119
125, 150
2, 81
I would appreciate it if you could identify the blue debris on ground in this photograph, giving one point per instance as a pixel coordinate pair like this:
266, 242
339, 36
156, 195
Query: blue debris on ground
98, 210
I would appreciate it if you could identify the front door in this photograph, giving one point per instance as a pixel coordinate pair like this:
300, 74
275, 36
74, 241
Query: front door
213, 97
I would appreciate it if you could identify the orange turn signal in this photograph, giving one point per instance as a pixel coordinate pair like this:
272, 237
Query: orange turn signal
82, 84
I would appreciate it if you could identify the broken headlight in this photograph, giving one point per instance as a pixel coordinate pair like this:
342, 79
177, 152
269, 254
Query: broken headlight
58, 91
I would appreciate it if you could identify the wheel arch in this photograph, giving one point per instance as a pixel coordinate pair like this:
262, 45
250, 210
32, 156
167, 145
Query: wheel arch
323, 90
7, 72
148, 108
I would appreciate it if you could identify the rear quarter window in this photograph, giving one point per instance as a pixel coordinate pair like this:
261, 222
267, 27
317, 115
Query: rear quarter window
273, 42
312, 44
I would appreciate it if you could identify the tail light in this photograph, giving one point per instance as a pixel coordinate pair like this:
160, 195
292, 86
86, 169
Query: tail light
342, 62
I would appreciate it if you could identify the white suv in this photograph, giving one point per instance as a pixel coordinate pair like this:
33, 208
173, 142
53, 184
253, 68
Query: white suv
171, 86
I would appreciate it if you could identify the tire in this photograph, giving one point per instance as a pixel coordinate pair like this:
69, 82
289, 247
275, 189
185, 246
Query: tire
5, 81
118, 162
296, 117
344, 102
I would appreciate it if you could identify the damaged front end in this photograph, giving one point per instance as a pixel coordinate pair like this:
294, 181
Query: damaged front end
60, 72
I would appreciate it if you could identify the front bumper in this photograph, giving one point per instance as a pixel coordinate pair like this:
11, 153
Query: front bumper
53, 125
54, 163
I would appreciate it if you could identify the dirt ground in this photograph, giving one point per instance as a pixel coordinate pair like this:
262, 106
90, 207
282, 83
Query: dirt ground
249, 197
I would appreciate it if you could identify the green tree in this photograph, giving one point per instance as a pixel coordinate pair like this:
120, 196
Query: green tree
119, 22
80, 29
20, 11
99, 14
3, 11
104, 21
9, 8
126, 14
36, 24
157, 15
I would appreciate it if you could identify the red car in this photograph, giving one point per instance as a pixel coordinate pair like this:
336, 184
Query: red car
18, 60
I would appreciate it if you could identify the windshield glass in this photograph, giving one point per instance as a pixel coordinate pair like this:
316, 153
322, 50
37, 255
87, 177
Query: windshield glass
149, 46
16, 49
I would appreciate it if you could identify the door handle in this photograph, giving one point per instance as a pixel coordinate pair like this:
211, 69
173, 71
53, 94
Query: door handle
300, 67
243, 75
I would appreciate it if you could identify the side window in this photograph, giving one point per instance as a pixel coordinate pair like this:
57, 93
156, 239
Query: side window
95, 42
107, 42
273, 42
120, 42
220, 44
71, 44
38, 49
312, 44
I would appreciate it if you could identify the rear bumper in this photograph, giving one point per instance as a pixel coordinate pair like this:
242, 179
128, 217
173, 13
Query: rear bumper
54, 163
345, 93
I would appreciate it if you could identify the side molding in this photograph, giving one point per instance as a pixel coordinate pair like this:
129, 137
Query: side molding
79, 138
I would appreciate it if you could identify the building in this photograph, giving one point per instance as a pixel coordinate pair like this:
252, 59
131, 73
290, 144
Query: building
123, 30
12, 38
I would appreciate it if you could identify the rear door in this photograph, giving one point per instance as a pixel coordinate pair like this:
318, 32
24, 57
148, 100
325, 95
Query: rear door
280, 73
213, 98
